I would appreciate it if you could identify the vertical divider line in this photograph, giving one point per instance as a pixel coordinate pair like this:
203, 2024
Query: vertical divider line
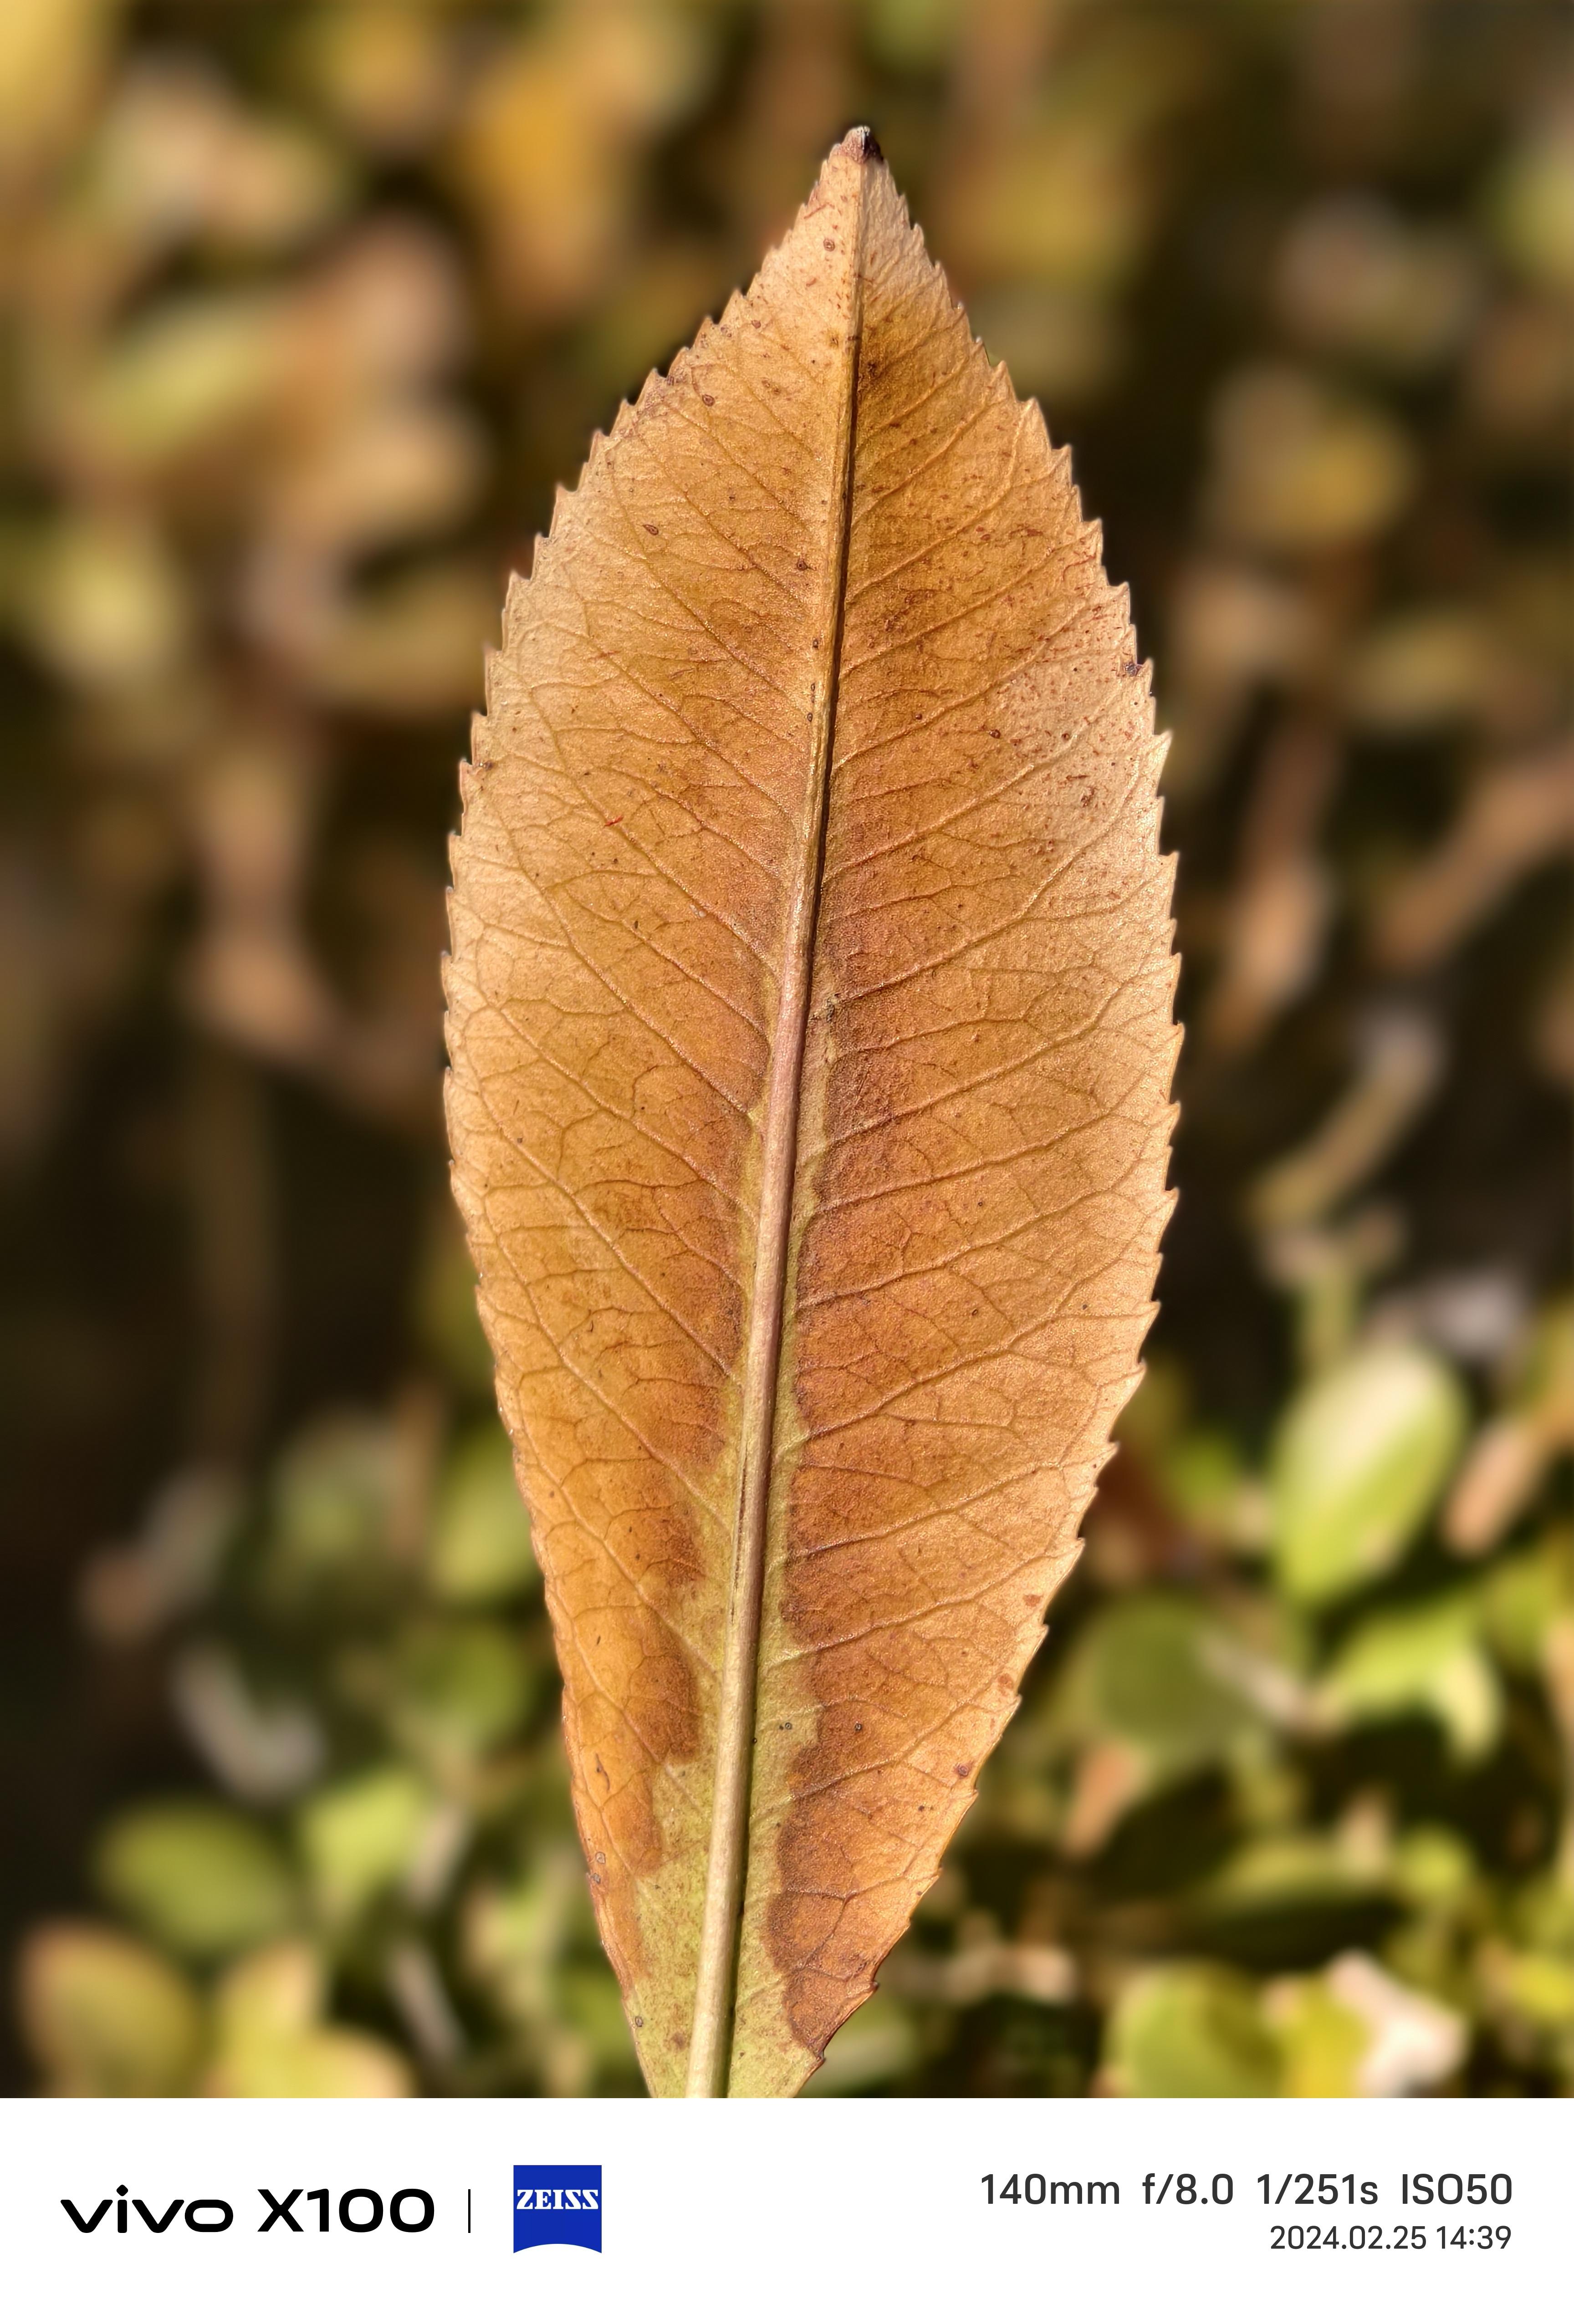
710, 2035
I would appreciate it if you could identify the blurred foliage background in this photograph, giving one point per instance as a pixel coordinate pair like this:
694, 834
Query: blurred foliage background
307, 306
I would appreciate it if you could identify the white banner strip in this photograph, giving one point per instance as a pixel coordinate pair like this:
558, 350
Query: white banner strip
166, 2209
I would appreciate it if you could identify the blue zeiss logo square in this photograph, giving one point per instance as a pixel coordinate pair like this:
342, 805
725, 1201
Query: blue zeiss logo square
557, 2203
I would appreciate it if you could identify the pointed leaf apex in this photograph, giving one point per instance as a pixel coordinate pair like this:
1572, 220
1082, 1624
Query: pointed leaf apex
860, 145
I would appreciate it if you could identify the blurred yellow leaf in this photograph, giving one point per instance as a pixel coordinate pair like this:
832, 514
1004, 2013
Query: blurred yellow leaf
106, 2017
514, 1938
387, 69
1537, 1988
1066, 202
192, 374
270, 2042
1323, 2041
1299, 465
549, 145
1062, 189
1531, 202
107, 606
51, 55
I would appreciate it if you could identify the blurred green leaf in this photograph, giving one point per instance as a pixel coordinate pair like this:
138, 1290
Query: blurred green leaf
1152, 1672
1433, 1867
457, 1687
1425, 1659
480, 1542
202, 1878
1293, 1870
515, 1937
1359, 1459
1191, 2030
332, 1498
360, 1836
1521, 1597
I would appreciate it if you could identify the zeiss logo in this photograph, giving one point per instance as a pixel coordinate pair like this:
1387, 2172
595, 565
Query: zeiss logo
557, 2203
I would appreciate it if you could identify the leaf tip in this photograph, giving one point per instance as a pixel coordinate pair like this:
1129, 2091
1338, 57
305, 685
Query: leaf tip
860, 144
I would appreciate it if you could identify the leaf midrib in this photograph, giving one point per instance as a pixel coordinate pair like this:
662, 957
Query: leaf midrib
711, 2029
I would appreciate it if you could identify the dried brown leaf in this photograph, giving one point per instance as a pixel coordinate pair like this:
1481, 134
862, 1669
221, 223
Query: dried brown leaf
809, 1011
